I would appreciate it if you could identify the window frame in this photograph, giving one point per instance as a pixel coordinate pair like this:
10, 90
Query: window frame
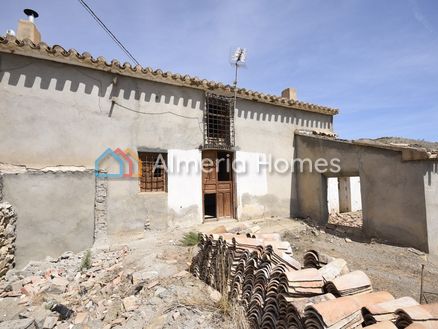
218, 122
148, 180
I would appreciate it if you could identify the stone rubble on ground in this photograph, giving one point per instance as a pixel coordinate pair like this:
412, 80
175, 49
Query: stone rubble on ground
339, 221
57, 294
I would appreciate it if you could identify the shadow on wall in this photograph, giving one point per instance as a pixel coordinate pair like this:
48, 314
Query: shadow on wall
259, 112
48, 75
430, 170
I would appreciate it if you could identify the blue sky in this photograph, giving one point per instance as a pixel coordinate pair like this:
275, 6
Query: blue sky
377, 61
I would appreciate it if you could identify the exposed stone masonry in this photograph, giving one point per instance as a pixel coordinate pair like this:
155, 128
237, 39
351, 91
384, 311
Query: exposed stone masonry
100, 212
8, 220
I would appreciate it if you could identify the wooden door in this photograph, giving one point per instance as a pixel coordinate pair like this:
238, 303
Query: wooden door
218, 181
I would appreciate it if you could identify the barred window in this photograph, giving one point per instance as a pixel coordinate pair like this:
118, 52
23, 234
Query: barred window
218, 122
153, 177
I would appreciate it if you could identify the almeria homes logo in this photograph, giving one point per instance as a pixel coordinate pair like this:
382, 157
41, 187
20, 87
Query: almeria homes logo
127, 161
121, 164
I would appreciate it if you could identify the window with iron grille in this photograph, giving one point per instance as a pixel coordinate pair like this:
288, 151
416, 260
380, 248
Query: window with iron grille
218, 122
153, 176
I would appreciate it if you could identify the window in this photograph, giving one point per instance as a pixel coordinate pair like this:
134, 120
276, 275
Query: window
225, 160
219, 122
153, 177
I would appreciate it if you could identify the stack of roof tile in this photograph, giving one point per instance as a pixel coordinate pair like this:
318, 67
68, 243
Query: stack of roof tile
384, 312
343, 312
333, 269
383, 325
259, 272
418, 316
352, 283
303, 283
314, 259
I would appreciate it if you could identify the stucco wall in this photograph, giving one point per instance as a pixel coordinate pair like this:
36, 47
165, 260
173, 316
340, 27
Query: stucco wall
266, 131
431, 193
64, 111
393, 197
72, 114
333, 194
55, 212
356, 196
185, 187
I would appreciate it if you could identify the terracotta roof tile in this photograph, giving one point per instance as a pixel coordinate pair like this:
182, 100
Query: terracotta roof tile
343, 310
383, 325
420, 312
386, 311
423, 325
349, 284
10, 44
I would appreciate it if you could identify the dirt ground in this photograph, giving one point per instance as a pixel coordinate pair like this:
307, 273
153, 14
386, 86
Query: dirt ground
146, 285
391, 268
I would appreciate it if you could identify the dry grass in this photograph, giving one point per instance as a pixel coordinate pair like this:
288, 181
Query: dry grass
238, 316
86, 261
190, 239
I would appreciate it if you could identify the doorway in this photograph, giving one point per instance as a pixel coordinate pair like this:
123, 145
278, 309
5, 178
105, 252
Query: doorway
217, 184
344, 201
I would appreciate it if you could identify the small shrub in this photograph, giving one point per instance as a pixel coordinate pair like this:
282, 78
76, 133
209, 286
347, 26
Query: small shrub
190, 239
86, 261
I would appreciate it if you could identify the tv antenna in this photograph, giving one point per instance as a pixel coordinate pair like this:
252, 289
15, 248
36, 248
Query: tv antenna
238, 58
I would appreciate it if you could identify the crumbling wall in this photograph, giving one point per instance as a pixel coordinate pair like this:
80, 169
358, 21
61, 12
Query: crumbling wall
8, 221
100, 212
55, 210
393, 193
431, 194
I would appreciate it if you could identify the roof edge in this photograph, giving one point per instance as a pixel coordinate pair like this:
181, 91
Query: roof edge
407, 153
56, 53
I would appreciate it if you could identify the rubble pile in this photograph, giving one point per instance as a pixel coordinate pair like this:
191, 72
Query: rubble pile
276, 291
62, 291
346, 219
99, 292
8, 219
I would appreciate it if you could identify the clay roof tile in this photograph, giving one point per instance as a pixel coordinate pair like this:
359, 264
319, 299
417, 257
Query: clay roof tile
11, 44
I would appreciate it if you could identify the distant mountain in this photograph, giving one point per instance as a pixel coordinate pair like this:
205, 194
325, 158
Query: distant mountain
430, 146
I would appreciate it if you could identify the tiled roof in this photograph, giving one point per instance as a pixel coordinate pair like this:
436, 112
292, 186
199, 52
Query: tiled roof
10, 44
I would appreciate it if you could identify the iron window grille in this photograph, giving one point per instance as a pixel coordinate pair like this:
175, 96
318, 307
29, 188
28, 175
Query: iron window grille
153, 177
218, 122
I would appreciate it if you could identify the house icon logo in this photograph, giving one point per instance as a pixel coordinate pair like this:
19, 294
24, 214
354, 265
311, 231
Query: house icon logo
118, 163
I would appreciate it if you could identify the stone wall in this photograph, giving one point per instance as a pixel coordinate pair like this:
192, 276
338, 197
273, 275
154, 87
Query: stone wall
8, 220
100, 212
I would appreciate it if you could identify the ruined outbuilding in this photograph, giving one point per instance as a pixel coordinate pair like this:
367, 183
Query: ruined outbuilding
398, 187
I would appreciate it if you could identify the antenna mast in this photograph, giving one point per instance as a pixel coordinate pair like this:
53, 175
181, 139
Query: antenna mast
238, 59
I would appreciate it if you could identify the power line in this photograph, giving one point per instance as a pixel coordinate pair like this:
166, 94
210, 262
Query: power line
107, 30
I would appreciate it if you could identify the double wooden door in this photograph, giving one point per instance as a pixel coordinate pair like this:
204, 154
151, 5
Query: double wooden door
217, 184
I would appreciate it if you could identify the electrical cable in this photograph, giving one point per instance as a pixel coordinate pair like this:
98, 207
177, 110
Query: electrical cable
161, 113
107, 30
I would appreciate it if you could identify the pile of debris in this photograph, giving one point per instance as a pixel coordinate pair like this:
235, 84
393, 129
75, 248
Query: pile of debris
68, 290
276, 291
101, 290
346, 219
